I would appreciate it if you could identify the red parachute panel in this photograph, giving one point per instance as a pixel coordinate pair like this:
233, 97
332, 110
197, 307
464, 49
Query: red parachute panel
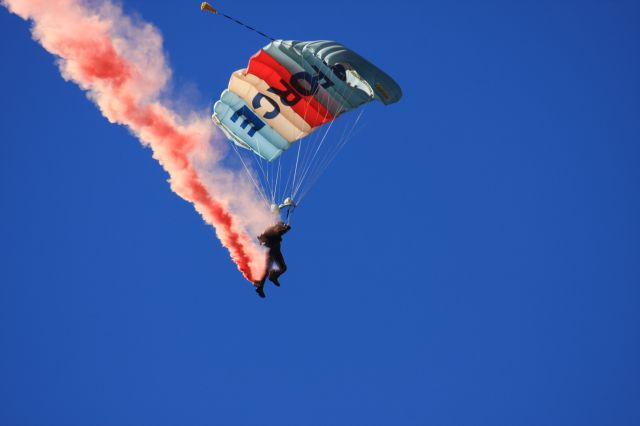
273, 73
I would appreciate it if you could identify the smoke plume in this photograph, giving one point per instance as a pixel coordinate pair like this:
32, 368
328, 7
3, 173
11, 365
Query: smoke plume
120, 63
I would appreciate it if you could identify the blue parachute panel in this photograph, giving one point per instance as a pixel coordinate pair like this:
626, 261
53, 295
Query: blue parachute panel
334, 54
286, 53
246, 128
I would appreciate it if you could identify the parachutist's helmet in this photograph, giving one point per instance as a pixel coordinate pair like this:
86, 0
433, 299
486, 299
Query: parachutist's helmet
288, 202
275, 208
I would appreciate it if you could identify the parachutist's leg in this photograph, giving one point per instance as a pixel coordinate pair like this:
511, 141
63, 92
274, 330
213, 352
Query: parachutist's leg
260, 284
278, 259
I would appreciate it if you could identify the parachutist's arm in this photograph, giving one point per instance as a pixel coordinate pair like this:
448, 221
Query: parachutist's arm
284, 229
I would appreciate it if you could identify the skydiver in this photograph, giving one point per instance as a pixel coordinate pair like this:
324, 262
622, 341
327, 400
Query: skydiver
271, 238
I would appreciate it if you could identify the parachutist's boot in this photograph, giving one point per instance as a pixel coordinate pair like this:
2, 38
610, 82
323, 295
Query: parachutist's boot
260, 290
274, 279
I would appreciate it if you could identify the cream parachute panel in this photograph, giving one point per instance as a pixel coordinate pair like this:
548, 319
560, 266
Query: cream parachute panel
255, 92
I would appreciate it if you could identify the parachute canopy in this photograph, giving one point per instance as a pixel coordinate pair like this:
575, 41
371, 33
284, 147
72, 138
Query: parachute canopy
290, 88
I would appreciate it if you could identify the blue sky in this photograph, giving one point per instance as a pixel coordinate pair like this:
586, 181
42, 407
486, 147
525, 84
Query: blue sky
484, 270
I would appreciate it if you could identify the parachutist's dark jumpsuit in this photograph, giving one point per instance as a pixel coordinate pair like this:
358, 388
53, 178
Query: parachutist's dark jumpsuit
271, 238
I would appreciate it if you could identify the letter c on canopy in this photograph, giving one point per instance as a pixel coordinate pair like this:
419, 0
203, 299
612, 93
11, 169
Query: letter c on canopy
256, 104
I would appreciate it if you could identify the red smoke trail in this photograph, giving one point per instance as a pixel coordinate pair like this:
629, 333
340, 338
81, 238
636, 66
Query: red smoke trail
122, 67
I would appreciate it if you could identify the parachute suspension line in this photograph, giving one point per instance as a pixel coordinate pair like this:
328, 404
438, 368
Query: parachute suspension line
347, 135
207, 7
269, 182
308, 149
345, 140
272, 176
310, 161
288, 182
311, 165
295, 191
309, 143
295, 170
266, 167
291, 179
308, 158
306, 154
309, 178
278, 177
302, 152
265, 177
315, 166
318, 168
248, 171
324, 164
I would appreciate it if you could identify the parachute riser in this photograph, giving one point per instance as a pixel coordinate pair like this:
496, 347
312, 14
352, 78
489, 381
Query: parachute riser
289, 205
289, 215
